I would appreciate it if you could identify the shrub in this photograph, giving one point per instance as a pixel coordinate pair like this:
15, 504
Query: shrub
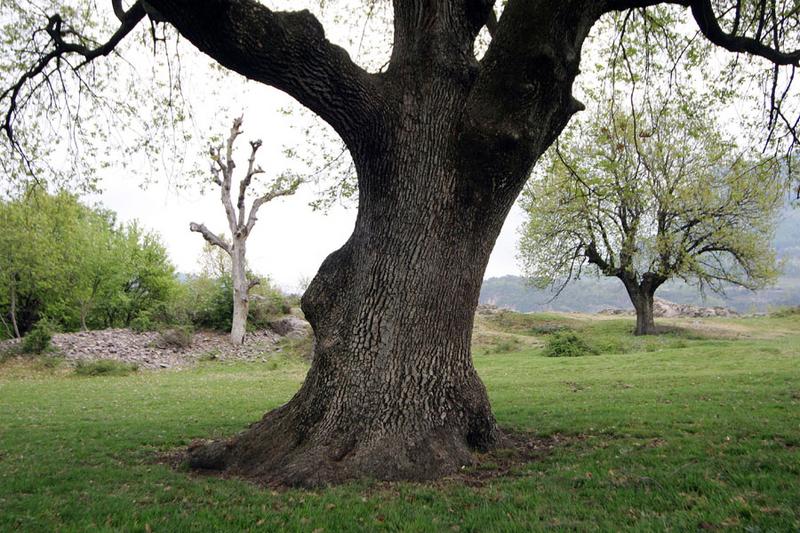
178, 337
548, 328
567, 344
38, 338
104, 367
143, 323
785, 312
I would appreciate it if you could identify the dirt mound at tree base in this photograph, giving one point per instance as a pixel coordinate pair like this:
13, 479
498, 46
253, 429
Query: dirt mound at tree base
667, 309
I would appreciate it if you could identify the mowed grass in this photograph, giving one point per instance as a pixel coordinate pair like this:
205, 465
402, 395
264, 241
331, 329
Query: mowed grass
697, 429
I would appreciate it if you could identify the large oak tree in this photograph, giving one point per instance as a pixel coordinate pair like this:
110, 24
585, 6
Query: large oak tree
442, 144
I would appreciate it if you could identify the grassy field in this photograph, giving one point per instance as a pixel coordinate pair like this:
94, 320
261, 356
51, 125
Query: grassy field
696, 429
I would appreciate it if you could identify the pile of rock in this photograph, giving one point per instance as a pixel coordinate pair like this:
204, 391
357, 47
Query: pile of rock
147, 349
667, 309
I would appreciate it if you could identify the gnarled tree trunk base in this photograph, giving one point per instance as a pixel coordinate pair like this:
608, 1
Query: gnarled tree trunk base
312, 468
273, 452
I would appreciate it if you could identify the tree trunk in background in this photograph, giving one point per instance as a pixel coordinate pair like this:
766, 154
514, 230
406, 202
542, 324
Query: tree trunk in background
241, 302
13, 297
642, 295
84, 312
645, 324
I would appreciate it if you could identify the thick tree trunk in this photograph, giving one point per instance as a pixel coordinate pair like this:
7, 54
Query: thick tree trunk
642, 295
442, 147
241, 302
645, 324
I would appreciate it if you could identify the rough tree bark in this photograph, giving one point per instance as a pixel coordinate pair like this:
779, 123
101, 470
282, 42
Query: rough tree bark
642, 293
240, 223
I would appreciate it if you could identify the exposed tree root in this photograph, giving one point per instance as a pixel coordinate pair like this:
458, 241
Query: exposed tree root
438, 460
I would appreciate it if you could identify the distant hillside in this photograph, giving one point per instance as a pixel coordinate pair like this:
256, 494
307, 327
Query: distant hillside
592, 294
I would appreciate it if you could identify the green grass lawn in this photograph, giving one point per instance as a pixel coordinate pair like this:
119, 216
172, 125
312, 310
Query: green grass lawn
695, 429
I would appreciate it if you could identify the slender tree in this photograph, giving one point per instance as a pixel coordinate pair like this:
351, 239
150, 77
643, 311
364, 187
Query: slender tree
240, 223
648, 198
442, 143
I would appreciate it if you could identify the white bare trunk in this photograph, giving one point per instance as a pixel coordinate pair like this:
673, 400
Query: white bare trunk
240, 289
84, 312
14, 308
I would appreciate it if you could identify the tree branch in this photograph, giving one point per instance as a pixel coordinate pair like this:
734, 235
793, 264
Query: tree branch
210, 237
704, 16
252, 170
703, 13
227, 174
61, 48
287, 50
522, 98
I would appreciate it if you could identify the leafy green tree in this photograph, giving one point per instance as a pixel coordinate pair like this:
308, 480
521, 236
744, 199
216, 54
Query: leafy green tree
144, 280
443, 140
74, 265
650, 197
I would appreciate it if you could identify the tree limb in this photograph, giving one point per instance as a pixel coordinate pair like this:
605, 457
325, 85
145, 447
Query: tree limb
227, 174
703, 13
287, 50
252, 170
210, 237
61, 48
704, 16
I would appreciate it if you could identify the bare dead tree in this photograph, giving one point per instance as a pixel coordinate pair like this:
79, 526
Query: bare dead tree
240, 222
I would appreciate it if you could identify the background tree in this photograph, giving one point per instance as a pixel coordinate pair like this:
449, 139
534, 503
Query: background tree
240, 222
73, 264
443, 140
650, 197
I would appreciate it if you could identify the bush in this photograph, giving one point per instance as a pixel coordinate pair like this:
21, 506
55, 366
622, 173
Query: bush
178, 337
207, 303
785, 312
567, 344
143, 323
104, 367
38, 338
